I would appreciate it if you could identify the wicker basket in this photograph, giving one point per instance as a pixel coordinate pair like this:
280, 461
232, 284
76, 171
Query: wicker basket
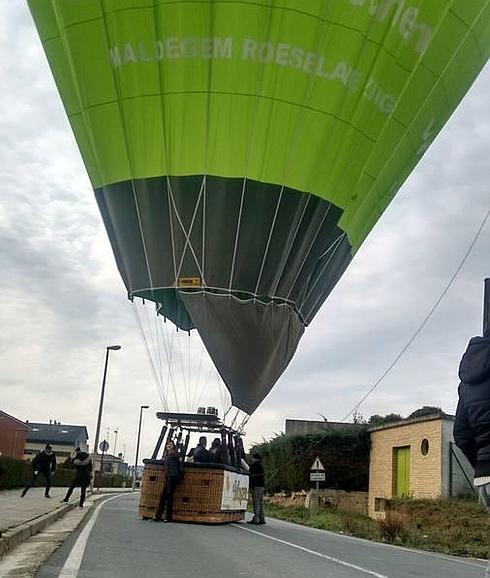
197, 498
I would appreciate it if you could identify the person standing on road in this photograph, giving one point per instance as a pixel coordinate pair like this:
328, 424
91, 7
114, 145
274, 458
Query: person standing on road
173, 474
257, 487
44, 463
83, 466
472, 423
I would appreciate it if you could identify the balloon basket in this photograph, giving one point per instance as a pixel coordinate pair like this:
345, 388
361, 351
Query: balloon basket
211, 493
197, 498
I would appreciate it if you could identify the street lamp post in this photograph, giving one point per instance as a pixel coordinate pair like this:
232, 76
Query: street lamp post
142, 407
101, 404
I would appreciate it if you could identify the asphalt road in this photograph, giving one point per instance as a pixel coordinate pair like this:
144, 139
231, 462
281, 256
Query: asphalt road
115, 543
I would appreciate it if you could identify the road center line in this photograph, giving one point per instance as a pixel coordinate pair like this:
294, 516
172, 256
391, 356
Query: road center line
72, 563
307, 550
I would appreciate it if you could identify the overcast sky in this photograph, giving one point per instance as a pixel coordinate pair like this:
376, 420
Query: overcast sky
63, 300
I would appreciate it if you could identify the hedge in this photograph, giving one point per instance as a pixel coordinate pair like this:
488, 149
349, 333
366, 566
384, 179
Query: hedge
15, 474
344, 453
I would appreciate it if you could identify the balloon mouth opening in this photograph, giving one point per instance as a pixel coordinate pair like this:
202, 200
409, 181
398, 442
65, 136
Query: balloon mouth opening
170, 305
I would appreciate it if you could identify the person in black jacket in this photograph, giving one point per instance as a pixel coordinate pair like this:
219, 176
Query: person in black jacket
257, 487
201, 454
472, 423
44, 463
173, 473
83, 467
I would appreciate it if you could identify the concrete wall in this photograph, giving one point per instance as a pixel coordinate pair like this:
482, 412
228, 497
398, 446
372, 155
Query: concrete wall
12, 437
356, 502
425, 471
304, 426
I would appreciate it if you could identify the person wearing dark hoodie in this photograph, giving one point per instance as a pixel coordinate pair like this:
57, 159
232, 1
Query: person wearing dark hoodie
173, 473
44, 463
472, 423
83, 466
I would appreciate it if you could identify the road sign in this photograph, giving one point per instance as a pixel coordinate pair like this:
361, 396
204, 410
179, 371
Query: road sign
317, 476
317, 465
103, 446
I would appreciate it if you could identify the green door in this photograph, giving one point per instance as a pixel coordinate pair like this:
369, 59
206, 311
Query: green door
401, 471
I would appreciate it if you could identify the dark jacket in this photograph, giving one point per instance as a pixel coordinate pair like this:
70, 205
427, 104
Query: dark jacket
201, 455
472, 424
173, 466
83, 467
44, 463
218, 455
257, 477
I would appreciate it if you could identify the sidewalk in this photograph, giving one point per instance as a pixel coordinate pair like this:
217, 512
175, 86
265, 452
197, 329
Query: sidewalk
15, 511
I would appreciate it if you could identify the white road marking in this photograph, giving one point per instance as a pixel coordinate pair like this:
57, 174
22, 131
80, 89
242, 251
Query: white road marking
72, 564
314, 552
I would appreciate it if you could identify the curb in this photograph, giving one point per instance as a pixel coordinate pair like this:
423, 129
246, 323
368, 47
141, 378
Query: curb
12, 538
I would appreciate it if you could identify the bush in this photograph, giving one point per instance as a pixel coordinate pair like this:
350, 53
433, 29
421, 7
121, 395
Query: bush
112, 481
16, 473
343, 452
13, 473
391, 527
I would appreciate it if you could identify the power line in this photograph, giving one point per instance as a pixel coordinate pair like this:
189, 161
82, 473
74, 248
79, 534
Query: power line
312, 444
426, 319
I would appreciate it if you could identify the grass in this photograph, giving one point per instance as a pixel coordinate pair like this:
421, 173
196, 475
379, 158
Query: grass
455, 527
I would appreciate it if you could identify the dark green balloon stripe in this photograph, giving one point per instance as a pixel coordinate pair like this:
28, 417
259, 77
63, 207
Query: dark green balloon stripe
276, 246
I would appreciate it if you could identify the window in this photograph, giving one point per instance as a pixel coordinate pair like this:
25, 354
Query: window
424, 447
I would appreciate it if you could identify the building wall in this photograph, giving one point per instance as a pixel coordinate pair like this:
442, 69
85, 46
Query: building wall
12, 438
425, 471
457, 471
60, 451
303, 426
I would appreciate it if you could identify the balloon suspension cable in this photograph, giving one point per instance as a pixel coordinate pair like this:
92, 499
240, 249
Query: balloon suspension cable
227, 412
232, 425
242, 425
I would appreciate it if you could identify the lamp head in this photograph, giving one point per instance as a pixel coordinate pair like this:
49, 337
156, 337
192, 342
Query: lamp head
144, 406
114, 347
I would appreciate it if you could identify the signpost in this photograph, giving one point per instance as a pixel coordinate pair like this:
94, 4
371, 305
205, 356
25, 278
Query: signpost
317, 475
103, 447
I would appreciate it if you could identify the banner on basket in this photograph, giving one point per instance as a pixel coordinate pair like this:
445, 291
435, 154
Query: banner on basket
235, 491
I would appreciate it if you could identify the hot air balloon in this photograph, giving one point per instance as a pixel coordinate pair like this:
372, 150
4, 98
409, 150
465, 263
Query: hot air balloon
240, 152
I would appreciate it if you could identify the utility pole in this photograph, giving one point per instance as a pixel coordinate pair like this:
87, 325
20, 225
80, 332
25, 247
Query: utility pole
142, 407
101, 403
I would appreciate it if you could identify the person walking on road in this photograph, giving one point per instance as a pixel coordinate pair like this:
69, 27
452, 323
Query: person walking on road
472, 422
44, 463
83, 466
257, 487
173, 474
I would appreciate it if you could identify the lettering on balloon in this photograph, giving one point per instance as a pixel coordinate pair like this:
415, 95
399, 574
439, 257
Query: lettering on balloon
279, 54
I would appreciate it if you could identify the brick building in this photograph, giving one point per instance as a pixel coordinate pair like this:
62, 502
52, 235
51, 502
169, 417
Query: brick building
416, 458
13, 434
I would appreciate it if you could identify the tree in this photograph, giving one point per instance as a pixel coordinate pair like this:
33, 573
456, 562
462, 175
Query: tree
376, 419
426, 410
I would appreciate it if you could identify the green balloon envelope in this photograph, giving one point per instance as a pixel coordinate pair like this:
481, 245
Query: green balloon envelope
240, 152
